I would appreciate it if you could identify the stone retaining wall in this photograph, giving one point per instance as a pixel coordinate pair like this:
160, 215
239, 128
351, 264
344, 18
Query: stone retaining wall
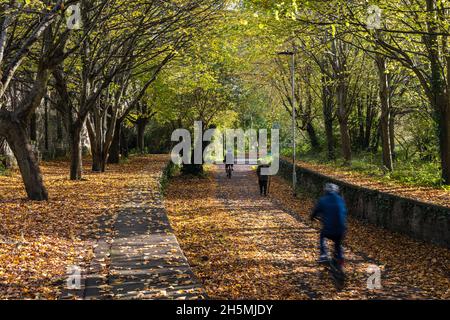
419, 220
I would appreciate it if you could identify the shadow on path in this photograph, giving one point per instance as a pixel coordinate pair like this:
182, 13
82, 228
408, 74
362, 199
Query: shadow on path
290, 244
138, 256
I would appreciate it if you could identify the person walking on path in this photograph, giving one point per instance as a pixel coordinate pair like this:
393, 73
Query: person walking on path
332, 212
229, 160
263, 180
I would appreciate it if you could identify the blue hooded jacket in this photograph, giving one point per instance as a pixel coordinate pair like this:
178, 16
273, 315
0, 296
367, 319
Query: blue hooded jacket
332, 211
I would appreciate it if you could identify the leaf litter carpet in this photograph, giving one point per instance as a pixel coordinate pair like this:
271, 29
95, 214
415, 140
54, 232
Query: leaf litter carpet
244, 246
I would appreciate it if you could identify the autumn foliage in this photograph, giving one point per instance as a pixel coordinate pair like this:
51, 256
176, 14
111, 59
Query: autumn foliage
243, 246
38, 240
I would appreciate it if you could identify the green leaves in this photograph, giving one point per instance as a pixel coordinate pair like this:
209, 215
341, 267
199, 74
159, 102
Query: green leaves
333, 30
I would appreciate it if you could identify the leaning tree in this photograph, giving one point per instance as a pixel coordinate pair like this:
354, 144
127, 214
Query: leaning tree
32, 41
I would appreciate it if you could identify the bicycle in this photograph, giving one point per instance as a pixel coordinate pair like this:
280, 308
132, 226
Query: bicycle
336, 271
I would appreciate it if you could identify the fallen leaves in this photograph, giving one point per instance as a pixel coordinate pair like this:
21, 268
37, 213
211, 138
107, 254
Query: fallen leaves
243, 246
38, 240
437, 196
223, 241
405, 262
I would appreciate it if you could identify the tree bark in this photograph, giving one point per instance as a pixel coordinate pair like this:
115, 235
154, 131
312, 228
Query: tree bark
339, 62
445, 144
46, 137
330, 139
75, 153
96, 161
439, 88
343, 122
385, 112
375, 143
345, 141
327, 106
2, 151
312, 136
443, 118
392, 134
14, 124
141, 125
369, 123
17, 139
124, 143
114, 152
361, 132
33, 127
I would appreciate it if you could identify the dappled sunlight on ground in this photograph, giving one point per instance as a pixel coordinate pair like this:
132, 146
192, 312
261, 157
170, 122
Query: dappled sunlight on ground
38, 240
244, 246
403, 261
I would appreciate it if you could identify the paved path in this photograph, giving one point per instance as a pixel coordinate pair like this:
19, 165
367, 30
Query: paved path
138, 256
291, 244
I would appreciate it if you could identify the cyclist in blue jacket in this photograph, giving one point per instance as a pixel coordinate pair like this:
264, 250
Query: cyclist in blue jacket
331, 210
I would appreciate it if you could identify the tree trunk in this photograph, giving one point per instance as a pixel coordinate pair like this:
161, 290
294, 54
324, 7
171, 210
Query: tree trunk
330, 139
327, 106
75, 154
114, 151
376, 140
124, 143
392, 134
96, 161
2, 151
361, 132
96, 150
443, 115
385, 112
369, 124
445, 146
99, 160
46, 137
33, 127
96, 134
26, 160
141, 125
439, 87
59, 127
312, 136
345, 141
343, 121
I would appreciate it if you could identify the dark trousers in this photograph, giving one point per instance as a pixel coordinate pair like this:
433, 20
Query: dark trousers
263, 187
337, 239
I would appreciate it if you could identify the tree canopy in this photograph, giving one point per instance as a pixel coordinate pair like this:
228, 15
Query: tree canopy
367, 76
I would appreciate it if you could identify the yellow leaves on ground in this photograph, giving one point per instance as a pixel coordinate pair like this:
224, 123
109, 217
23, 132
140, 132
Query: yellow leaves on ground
437, 196
243, 246
204, 229
38, 240
409, 262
